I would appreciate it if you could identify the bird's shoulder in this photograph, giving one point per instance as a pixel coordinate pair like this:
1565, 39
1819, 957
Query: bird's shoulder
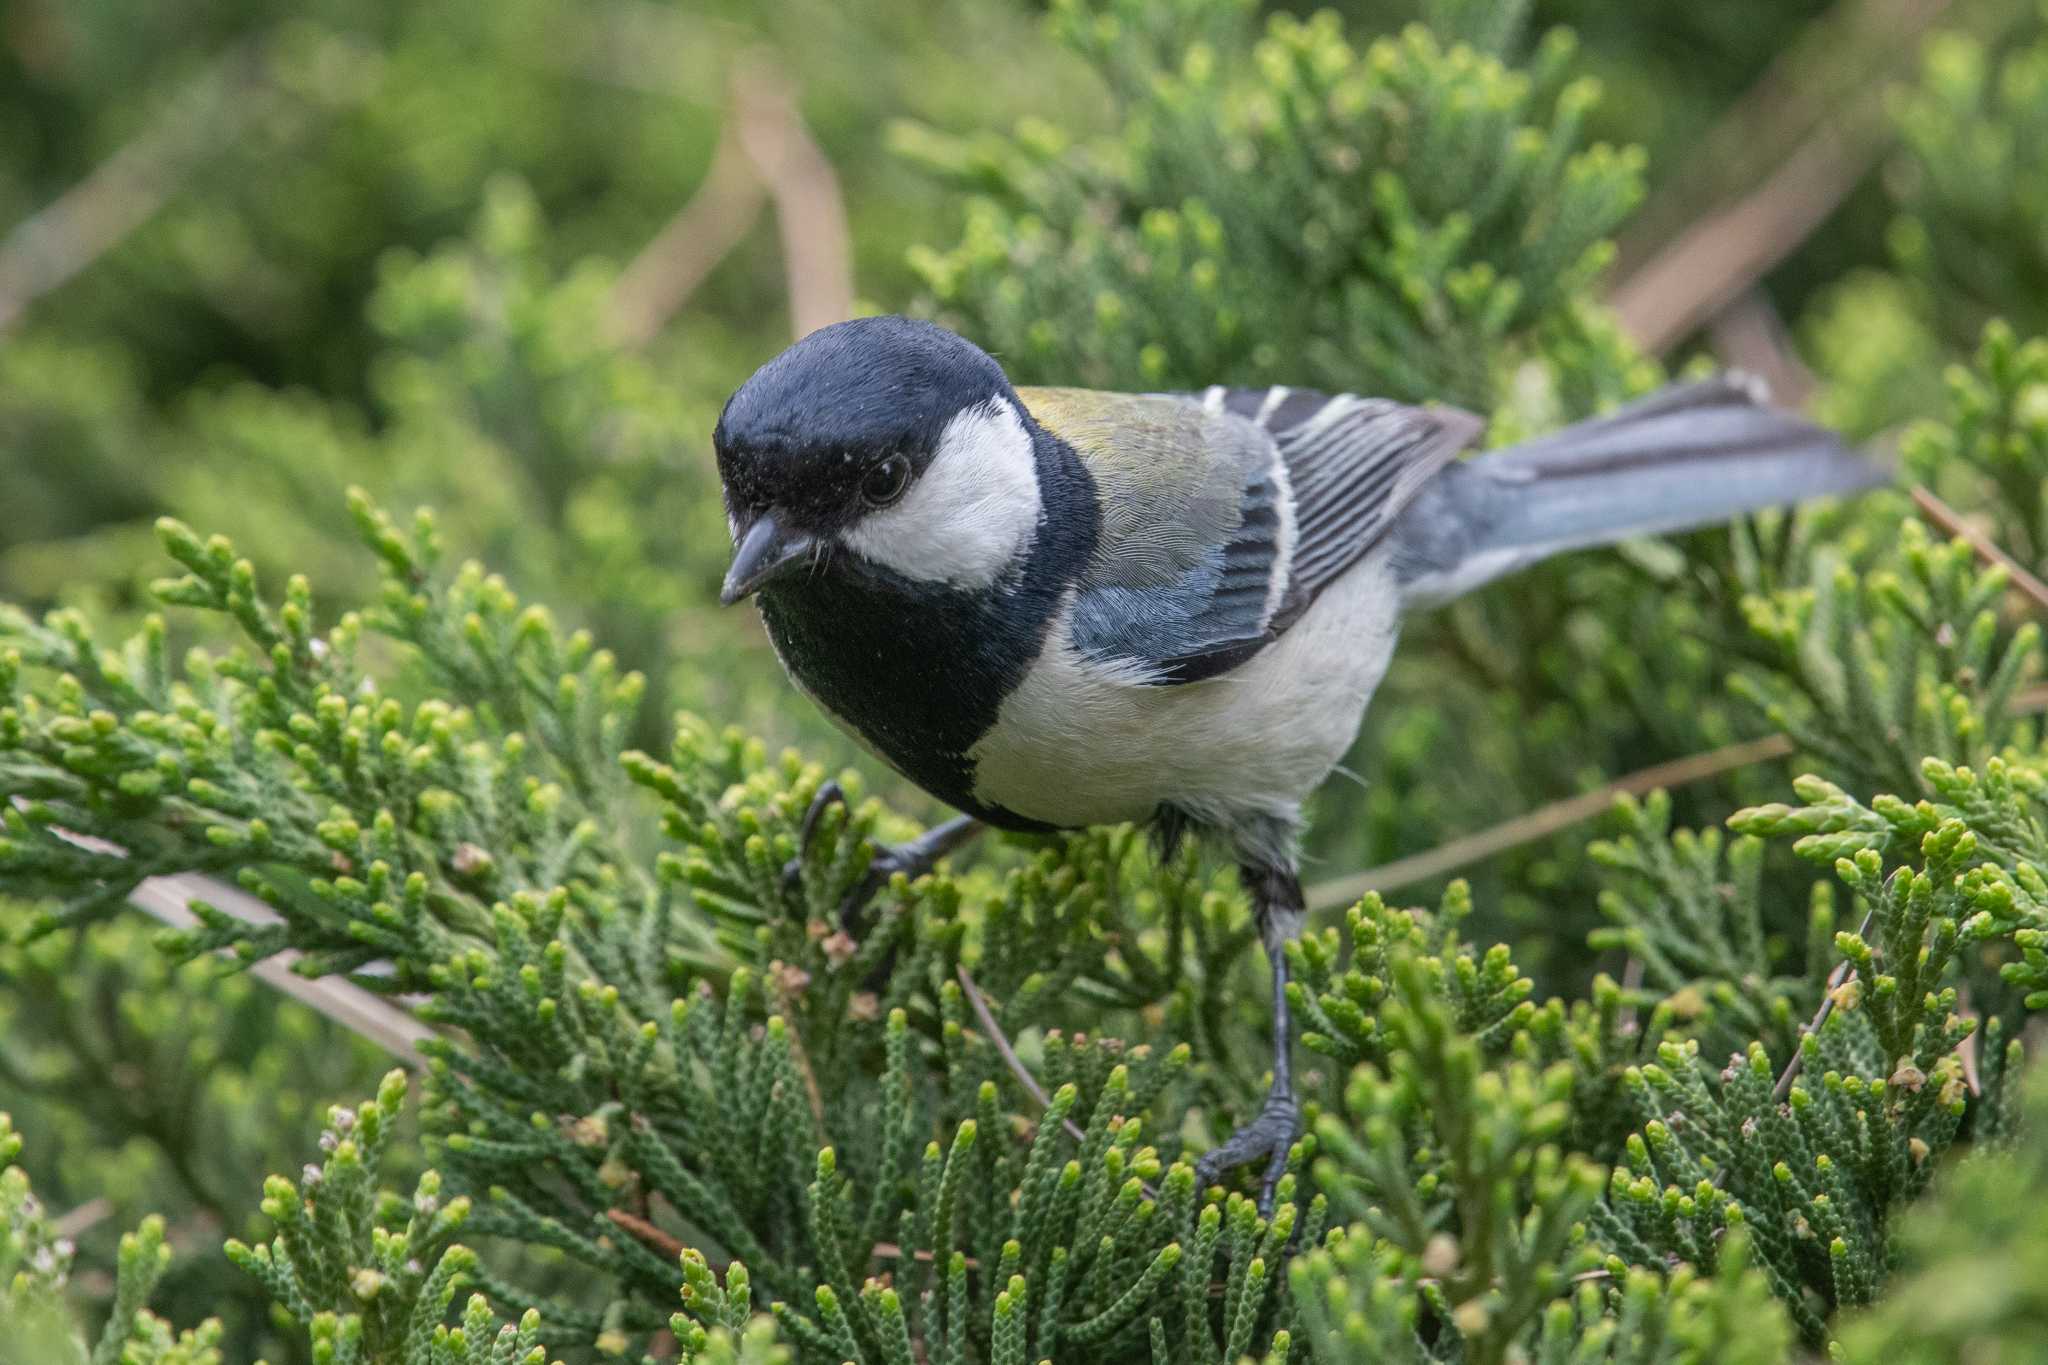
1150, 449
1224, 513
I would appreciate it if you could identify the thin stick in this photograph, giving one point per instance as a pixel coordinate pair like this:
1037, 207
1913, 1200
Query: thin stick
1749, 335
1717, 259
797, 1048
1818, 113
703, 232
1547, 820
889, 1251
1631, 982
979, 1004
767, 154
1542, 821
1836, 979
1966, 1051
390, 1026
87, 1215
646, 1232
1951, 521
169, 900
810, 212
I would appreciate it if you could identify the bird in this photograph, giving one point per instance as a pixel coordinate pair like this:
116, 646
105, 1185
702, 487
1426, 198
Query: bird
1056, 608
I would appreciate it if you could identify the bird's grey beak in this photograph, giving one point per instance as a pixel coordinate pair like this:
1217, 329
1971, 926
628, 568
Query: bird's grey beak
765, 553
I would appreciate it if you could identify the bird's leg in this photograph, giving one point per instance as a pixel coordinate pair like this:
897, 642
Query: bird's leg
913, 858
1279, 906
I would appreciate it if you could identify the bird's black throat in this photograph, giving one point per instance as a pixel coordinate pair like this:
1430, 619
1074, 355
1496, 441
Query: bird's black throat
921, 669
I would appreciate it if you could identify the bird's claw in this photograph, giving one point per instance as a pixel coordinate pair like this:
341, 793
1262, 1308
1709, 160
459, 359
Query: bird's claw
913, 859
1270, 1135
829, 794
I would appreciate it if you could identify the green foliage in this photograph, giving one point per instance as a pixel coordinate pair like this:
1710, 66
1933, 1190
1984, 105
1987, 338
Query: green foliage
35, 1263
1970, 1282
1995, 442
159, 1085
1431, 210
369, 1276
675, 1108
1975, 178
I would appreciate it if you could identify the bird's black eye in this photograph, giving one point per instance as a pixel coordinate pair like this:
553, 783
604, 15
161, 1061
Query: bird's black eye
885, 482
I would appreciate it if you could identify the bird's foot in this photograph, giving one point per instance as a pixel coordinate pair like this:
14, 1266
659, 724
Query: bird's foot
1270, 1136
913, 858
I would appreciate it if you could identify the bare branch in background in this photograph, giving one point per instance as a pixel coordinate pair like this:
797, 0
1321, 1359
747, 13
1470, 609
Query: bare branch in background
169, 900
817, 248
207, 114
671, 266
389, 1026
1749, 335
1719, 258
766, 155
1802, 138
1545, 820
642, 46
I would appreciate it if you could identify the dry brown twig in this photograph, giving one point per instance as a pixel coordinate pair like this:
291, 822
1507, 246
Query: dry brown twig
766, 155
1951, 521
1544, 820
987, 1019
1819, 115
647, 1232
994, 1033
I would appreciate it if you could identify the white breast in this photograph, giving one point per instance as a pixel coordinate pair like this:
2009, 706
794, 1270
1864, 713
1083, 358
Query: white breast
1082, 743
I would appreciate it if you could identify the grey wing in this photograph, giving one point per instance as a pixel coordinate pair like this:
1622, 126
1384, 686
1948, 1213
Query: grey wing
1205, 561
1189, 567
1351, 464
1212, 614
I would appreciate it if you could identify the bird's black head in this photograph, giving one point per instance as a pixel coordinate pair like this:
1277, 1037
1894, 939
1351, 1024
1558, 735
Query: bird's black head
830, 446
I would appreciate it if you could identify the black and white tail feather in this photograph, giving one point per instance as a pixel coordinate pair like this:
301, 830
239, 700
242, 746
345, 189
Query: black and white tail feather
1690, 456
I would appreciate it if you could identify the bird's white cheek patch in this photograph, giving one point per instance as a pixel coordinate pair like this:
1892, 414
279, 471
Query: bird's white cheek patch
974, 512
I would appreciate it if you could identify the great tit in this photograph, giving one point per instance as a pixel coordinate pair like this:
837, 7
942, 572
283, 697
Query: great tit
1056, 607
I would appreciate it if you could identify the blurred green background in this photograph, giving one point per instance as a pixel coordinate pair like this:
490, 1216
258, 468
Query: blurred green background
508, 259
